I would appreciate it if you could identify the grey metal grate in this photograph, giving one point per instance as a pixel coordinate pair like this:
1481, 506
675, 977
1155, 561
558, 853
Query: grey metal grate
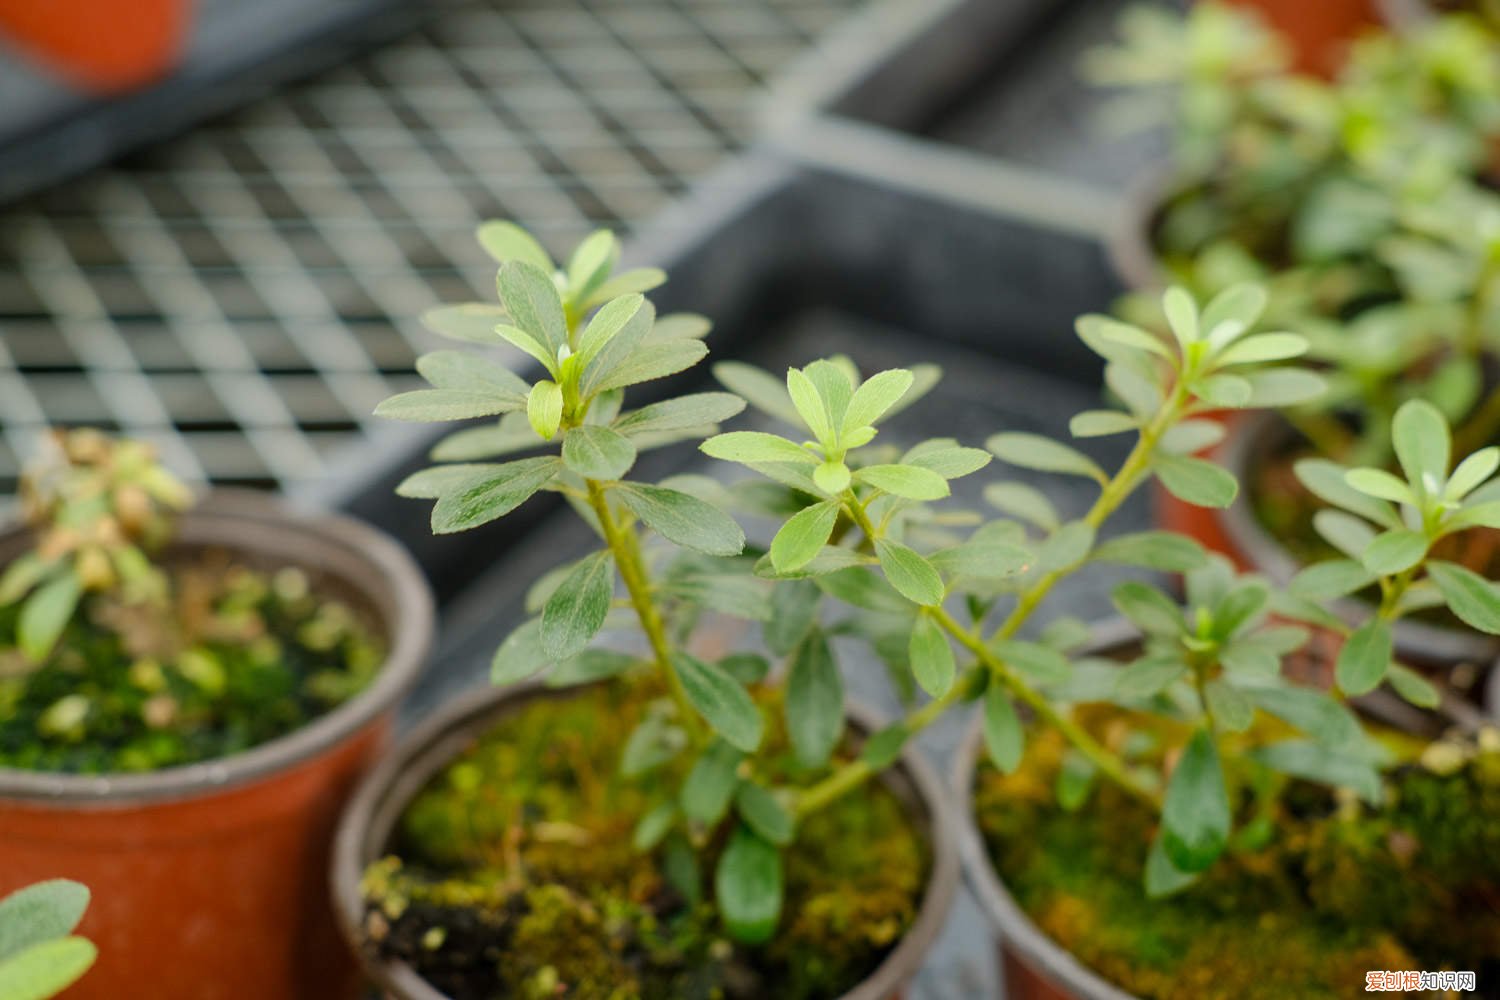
245, 294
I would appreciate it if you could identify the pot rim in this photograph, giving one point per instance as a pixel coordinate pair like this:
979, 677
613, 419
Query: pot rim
389, 788
406, 603
1246, 441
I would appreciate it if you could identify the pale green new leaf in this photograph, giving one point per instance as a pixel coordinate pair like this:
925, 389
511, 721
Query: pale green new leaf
1032, 451
597, 452
874, 397
912, 575
544, 408
44, 615
803, 536
533, 303
907, 481
505, 241
653, 361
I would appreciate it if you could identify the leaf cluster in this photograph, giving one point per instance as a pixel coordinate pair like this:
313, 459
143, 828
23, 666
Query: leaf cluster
40, 956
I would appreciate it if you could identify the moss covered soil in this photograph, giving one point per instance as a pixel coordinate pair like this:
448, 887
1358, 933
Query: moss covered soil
1336, 890
513, 875
238, 657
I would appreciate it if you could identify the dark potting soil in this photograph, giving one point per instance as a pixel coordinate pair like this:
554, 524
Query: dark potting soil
238, 657
513, 874
1302, 907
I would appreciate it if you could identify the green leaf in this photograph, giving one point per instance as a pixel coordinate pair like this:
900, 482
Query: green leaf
1313, 712
1066, 547
1471, 472
1469, 596
591, 263
982, 559
1233, 712
703, 409
1325, 480
1004, 738
810, 406
1420, 435
947, 458
621, 349
1147, 677
721, 700
884, 748
431, 405
1327, 580
764, 814
465, 371
470, 322
760, 389
487, 492
653, 742
1312, 762
736, 594
533, 303
589, 666
1195, 480
45, 614
40, 912
907, 481
654, 826
1279, 387
1195, 816
874, 397
1364, 658
1395, 551
1380, 484
527, 344
1349, 534
643, 279
506, 241
1162, 877
1413, 687
1182, 315
1075, 779
1101, 423
912, 575
932, 660
1033, 660
1263, 348
831, 477
575, 612
683, 519
834, 379
1154, 612
814, 701
1025, 502
794, 609
1032, 451
544, 408
653, 361
803, 536
751, 447
1161, 550
748, 887
47, 969
710, 784
520, 656
597, 452
1229, 391
607, 323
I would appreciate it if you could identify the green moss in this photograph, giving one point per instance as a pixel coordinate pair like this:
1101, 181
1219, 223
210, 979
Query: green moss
238, 658
520, 850
1339, 891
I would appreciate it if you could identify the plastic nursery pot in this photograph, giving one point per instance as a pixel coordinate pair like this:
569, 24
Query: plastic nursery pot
373, 813
1319, 33
105, 46
208, 878
1258, 438
1034, 966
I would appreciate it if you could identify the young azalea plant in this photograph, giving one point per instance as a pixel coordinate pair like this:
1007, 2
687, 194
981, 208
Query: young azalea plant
865, 547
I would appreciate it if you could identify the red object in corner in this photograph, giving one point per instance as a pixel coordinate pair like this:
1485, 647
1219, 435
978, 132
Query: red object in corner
102, 46
1319, 31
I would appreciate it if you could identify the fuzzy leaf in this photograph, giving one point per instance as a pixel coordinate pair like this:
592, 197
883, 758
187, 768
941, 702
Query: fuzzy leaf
748, 887
759, 388
1023, 501
721, 700
1161, 550
533, 303
752, 447
520, 656
1195, 480
1101, 423
932, 660
576, 610
47, 969
597, 452
488, 492
907, 481
703, 409
1004, 738
1325, 480
1364, 658
711, 783
683, 519
506, 241
544, 408
1032, 451
1469, 596
1420, 435
764, 814
607, 323
1394, 552
44, 615
431, 405
874, 397
1033, 660
911, 574
803, 536
40, 912
653, 361
470, 322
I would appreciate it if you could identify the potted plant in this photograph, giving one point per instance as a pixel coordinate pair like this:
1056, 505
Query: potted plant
40, 956
702, 822
189, 690
1226, 823
1357, 203
1317, 34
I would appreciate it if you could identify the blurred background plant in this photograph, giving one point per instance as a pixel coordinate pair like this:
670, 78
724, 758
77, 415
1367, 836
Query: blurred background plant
40, 956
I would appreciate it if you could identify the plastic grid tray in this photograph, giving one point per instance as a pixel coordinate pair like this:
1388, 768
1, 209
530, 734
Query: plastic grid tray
244, 294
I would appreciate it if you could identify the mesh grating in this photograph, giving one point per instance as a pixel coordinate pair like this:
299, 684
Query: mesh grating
243, 295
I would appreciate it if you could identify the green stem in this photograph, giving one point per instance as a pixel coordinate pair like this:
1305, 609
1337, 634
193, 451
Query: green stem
627, 555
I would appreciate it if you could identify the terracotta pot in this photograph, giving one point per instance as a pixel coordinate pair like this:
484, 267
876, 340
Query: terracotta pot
1255, 440
104, 46
1318, 32
1034, 966
207, 878
373, 813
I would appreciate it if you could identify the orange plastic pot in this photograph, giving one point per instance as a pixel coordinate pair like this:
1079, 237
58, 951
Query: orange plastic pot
104, 46
208, 880
1318, 31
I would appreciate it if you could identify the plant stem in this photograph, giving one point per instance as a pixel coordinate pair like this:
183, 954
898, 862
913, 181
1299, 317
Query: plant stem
638, 586
1111, 496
